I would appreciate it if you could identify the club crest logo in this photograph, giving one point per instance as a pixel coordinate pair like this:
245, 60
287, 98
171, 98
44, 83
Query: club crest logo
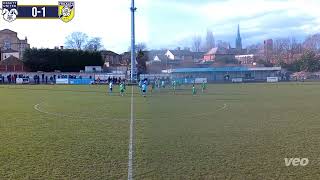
9, 10
66, 10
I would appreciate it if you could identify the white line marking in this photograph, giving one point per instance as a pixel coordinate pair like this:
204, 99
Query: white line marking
38, 108
224, 107
131, 150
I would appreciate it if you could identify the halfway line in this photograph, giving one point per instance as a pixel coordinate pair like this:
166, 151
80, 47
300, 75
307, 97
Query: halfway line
131, 151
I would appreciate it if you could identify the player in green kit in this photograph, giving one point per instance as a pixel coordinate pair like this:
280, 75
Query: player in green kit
203, 86
174, 86
122, 88
140, 85
178, 83
194, 91
153, 86
124, 85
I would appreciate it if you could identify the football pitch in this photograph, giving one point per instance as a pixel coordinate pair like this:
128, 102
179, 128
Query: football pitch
232, 131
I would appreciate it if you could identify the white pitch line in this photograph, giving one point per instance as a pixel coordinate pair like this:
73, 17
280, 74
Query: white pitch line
224, 107
37, 108
131, 150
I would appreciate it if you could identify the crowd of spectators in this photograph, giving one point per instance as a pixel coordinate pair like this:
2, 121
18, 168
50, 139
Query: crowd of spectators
36, 78
48, 78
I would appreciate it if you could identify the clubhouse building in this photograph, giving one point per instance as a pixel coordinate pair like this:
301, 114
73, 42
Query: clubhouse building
227, 74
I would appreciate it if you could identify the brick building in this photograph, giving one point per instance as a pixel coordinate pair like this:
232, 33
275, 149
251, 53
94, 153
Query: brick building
9, 41
12, 64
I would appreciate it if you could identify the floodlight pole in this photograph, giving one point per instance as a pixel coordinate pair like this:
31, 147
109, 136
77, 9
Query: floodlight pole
133, 49
133, 62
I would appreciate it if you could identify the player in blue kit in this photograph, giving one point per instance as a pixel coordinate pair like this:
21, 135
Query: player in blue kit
144, 89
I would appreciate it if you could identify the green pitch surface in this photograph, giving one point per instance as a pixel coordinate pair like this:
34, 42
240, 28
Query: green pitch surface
236, 131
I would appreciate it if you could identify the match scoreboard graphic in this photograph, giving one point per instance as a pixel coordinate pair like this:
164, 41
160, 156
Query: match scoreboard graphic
64, 10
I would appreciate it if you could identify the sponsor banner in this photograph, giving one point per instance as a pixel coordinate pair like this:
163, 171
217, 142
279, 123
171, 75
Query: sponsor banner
188, 80
22, 81
237, 80
62, 81
81, 81
104, 77
272, 79
200, 80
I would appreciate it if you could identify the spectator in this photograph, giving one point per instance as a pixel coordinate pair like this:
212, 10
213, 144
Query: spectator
42, 78
35, 79
9, 78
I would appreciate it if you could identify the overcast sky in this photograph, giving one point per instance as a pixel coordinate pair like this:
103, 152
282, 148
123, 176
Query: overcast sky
172, 23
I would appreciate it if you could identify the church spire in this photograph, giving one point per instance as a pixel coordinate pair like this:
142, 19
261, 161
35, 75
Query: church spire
238, 40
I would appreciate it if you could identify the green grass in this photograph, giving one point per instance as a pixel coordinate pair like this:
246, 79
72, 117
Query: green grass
235, 131
35, 145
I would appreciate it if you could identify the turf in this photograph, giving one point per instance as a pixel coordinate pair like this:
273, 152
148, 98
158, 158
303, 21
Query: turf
234, 131
88, 138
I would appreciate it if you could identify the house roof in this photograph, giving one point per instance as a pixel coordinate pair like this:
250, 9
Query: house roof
237, 52
181, 52
129, 53
161, 57
198, 55
224, 51
23, 40
154, 53
191, 70
7, 31
212, 51
232, 50
9, 51
217, 50
11, 61
107, 52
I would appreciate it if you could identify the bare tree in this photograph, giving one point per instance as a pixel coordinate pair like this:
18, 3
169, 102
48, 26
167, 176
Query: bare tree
94, 44
285, 49
196, 43
281, 47
210, 41
294, 47
139, 47
255, 49
223, 44
312, 43
76, 40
